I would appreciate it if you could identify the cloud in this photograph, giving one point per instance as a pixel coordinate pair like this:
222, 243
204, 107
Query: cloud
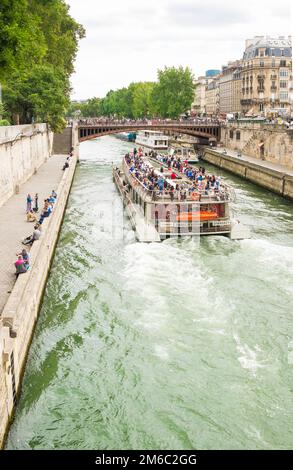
128, 41
208, 13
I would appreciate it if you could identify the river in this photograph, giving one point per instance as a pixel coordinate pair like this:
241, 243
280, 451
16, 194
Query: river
184, 344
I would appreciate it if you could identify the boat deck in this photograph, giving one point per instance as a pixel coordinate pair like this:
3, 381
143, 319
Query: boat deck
226, 193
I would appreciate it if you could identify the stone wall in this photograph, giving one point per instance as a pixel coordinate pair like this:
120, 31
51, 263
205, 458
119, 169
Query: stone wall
21, 311
23, 149
276, 181
248, 137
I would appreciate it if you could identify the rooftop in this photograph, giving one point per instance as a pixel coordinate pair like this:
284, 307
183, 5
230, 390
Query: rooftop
280, 46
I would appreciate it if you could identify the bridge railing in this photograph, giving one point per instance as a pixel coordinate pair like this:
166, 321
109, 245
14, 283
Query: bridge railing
152, 122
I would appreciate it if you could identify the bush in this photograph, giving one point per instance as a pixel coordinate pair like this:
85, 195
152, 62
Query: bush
4, 122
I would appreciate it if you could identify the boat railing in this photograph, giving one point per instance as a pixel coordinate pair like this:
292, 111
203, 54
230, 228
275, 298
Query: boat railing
225, 194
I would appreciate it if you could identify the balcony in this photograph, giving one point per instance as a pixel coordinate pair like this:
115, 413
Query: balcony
273, 88
274, 77
260, 89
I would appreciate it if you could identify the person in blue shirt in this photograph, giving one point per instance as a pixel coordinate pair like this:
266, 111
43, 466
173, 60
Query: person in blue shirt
161, 184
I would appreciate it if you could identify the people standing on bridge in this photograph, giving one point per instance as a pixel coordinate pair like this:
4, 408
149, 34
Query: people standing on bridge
29, 203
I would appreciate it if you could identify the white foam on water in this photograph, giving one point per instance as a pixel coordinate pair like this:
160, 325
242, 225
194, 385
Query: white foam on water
166, 278
268, 252
161, 352
248, 357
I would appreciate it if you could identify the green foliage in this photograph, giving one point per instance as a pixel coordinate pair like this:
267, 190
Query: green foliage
2, 109
38, 43
38, 95
142, 105
21, 39
4, 122
173, 94
61, 32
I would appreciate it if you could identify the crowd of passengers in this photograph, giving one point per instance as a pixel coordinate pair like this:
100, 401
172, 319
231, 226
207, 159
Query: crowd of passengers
155, 181
197, 175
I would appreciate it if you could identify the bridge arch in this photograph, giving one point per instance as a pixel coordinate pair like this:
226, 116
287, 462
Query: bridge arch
93, 131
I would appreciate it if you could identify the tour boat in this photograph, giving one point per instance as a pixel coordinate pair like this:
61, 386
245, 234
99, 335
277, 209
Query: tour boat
184, 152
154, 140
162, 202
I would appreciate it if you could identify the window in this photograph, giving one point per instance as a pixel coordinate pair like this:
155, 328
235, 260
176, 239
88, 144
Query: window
237, 135
282, 52
273, 52
283, 84
261, 106
231, 134
283, 96
282, 63
273, 63
283, 73
261, 63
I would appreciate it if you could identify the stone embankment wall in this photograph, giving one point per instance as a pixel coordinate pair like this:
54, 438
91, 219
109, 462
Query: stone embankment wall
20, 314
23, 149
276, 181
249, 137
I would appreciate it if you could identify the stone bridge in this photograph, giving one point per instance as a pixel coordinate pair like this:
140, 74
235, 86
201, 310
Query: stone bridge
92, 129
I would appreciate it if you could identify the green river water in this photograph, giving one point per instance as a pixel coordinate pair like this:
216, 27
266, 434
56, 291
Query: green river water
184, 344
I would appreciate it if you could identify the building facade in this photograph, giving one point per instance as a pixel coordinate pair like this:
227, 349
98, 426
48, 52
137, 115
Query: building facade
212, 97
230, 87
199, 103
260, 84
266, 76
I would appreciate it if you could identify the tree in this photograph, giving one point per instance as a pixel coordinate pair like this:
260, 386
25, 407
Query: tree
61, 32
21, 40
173, 94
40, 95
38, 45
142, 99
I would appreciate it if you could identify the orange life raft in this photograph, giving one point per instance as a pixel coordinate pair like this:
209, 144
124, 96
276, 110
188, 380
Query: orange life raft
199, 215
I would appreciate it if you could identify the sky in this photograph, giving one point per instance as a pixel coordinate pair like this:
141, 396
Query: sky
129, 40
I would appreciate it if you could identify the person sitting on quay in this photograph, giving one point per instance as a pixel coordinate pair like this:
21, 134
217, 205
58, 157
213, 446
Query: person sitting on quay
52, 198
36, 235
66, 165
29, 203
46, 212
30, 217
26, 258
20, 266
